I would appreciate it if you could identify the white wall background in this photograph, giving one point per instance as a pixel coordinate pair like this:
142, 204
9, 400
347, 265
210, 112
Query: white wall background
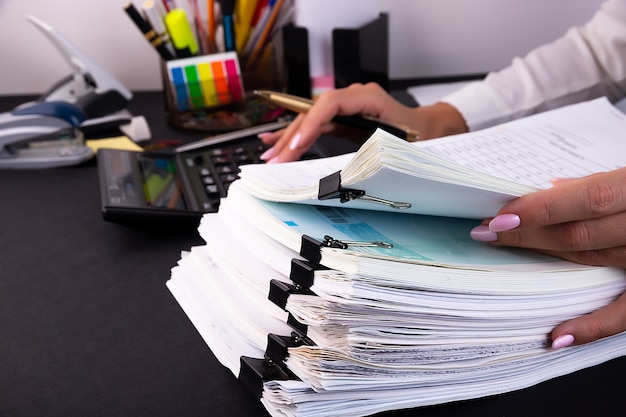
427, 37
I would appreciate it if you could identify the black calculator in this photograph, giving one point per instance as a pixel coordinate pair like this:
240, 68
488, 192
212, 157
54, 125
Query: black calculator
174, 189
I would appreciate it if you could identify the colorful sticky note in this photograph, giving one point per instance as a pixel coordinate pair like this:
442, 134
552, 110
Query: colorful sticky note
205, 81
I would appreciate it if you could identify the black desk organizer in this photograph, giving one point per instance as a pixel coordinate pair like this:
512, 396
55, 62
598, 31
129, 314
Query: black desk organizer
360, 55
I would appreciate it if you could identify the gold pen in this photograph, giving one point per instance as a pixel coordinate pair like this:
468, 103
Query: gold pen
303, 105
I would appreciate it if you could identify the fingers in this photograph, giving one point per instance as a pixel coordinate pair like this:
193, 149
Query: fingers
604, 322
589, 197
269, 138
593, 234
299, 136
582, 220
287, 144
611, 257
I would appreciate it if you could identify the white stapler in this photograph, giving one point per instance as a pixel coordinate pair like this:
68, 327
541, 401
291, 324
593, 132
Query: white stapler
49, 132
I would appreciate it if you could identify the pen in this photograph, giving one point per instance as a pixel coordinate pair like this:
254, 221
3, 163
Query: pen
302, 105
210, 7
242, 15
197, 19
228, 8
258, 25
226, 137
149, 33
168, 5
155, 16
260, 43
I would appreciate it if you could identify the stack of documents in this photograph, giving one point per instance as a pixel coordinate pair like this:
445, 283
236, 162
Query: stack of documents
469, 175
344, 311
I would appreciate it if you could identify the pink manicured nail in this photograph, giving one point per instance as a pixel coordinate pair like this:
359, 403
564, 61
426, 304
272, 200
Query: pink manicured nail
504, 222
268, 154
264, 135
483, 234
562, 341
295, 141
274, 160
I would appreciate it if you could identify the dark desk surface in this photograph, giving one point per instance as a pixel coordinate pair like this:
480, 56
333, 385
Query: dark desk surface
88, 327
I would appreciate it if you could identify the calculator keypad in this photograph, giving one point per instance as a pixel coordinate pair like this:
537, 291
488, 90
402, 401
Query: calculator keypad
217, 168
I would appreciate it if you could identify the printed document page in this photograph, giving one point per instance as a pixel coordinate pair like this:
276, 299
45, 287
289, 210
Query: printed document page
483, 169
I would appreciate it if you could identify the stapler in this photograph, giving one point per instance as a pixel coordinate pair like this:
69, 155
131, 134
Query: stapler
42, 135
49, 132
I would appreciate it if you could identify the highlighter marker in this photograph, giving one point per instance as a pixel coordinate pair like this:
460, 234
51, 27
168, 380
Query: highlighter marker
181, 33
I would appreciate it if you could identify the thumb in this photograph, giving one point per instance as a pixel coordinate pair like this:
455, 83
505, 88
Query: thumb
606, 321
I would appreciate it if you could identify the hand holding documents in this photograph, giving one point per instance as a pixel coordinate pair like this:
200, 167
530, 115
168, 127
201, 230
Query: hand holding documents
470, 175
355, 308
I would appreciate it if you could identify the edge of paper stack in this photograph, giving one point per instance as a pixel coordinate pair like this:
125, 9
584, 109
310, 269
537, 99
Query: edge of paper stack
434, 319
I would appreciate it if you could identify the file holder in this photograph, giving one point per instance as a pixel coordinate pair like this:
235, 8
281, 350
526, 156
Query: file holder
359, 55
296, 61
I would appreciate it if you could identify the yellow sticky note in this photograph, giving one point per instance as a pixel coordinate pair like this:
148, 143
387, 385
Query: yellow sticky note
123, 143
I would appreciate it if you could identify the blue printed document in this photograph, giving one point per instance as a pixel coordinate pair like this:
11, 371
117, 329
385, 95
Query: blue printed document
427, 250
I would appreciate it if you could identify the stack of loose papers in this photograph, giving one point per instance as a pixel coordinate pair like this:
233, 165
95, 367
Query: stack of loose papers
435, 318
420, 315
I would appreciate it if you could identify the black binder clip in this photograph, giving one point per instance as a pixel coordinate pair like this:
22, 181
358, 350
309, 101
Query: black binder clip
330, 187
254, 372
280, 291
310, 249
278, 346
303, 273
279, 294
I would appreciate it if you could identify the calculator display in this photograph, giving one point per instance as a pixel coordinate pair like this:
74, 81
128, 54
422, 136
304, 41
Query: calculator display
161, 184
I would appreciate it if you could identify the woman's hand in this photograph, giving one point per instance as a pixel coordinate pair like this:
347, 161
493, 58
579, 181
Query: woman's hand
368, 100
581, 220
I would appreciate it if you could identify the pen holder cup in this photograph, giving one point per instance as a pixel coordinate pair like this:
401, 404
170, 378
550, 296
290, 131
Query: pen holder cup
213, 93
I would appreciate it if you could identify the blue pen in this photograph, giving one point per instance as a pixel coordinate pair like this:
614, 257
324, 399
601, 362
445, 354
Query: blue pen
228, 9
